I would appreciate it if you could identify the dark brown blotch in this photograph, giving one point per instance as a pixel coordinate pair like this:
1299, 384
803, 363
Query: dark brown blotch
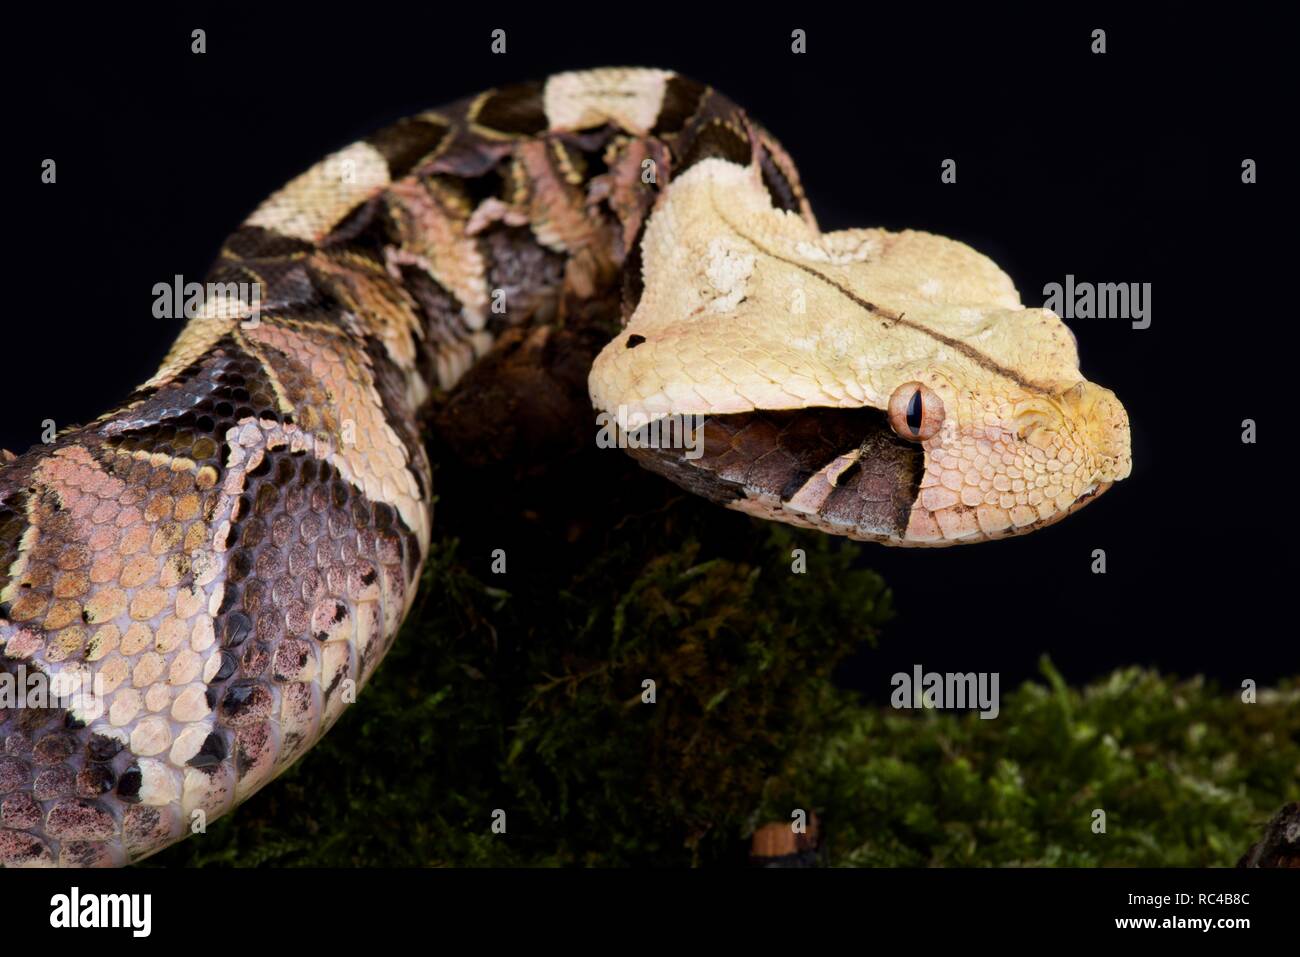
212, 752
404, 143
516, 109
682, 97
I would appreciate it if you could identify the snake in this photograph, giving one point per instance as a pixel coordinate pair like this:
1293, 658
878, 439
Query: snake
202, 579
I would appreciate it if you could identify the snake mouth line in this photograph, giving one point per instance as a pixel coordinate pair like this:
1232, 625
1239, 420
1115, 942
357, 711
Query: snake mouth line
843, 470
1094, 491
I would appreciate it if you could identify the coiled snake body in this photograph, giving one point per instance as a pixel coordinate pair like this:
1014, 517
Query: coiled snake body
205, 576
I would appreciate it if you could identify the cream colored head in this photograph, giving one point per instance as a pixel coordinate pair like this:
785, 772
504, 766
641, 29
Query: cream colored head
748, 309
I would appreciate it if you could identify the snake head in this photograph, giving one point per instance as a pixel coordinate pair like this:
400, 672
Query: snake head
885, 386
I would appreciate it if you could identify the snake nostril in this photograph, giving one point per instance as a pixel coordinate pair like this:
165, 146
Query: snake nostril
634, 340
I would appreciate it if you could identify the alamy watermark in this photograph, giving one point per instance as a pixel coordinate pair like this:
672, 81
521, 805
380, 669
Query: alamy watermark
74, 909
67, 691
215, 300
626, 430
947, 690
1100, 300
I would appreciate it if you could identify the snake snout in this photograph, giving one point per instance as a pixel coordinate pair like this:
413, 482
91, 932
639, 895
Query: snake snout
1104, 422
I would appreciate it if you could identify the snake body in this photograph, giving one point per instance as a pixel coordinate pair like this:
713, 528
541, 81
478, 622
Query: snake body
207, 574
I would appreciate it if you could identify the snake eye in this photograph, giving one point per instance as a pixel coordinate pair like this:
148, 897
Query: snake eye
915, 412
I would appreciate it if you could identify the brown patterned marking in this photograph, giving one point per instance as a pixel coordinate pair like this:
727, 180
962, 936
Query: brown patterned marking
134, 540
714, 135
404, 143
516, 110
189, 415
430, 219
94, 780
562, 222
569, 162
468, 154
682, 97
529, 274
781, 176
391, 385
199, 337
13, 524
280, 281
54, 749
384, 311
633, 278
365, 229
785, 191
245, 704
623, 188
255, 242
447, 344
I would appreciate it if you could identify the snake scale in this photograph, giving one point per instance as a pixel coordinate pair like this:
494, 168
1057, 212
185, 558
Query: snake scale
208, 573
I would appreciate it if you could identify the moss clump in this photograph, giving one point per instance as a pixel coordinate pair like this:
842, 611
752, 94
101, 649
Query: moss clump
1186, 776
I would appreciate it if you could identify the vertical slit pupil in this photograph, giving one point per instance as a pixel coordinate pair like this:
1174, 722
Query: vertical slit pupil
914, 413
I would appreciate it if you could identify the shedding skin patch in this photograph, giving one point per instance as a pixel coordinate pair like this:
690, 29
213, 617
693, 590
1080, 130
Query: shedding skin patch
728, 270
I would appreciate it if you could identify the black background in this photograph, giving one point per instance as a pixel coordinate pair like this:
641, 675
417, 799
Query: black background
1122, 167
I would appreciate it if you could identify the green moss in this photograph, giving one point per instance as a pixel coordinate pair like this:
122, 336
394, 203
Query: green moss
529, 700
1185, 775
